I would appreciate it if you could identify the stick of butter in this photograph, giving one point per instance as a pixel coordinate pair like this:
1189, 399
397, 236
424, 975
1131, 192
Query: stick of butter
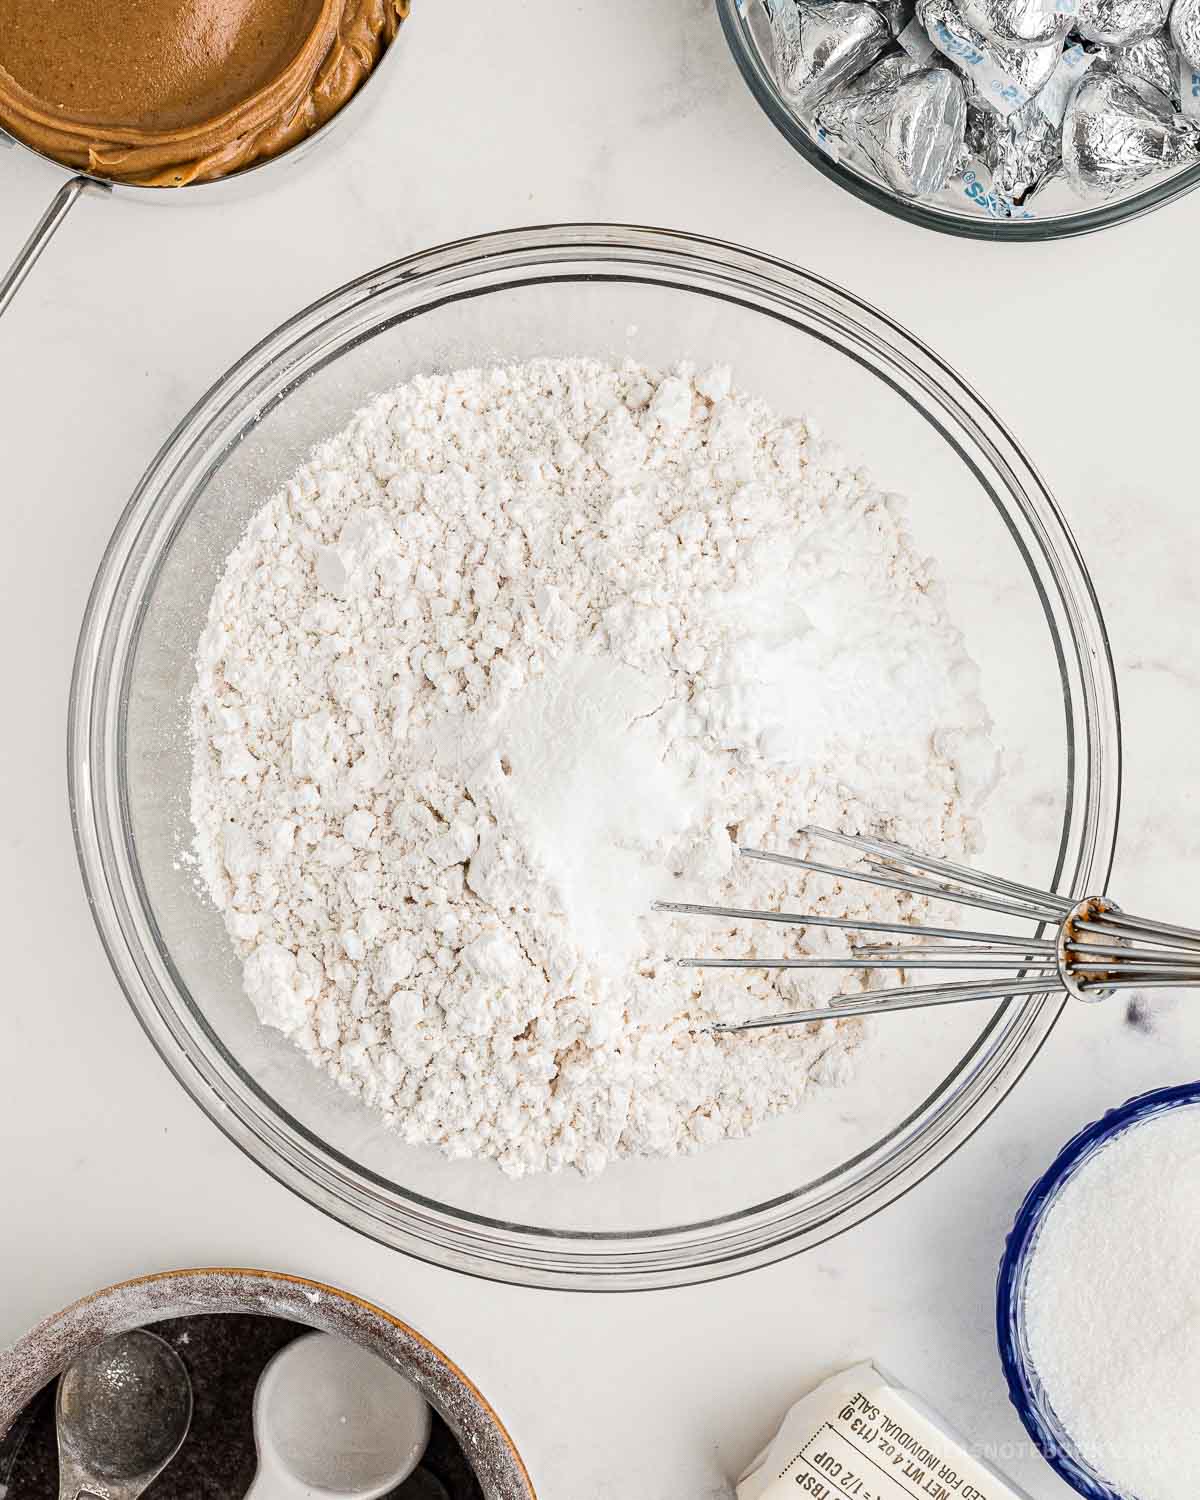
859, 1436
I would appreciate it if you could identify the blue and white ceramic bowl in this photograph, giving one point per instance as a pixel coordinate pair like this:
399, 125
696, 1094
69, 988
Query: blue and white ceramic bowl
1025, 1387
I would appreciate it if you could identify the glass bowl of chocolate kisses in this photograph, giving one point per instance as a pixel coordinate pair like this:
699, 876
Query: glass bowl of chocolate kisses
994, 119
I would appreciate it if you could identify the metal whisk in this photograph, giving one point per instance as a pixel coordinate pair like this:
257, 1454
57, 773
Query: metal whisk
1094, 949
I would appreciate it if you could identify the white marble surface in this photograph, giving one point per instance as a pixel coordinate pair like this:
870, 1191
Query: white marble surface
497, 115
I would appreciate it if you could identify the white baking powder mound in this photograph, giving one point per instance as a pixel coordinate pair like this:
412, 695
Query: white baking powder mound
518, 652
1112, 1308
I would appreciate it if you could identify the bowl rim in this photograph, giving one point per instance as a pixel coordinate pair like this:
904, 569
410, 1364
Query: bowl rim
1022, 231
1049, 1437
40, 1355
221, 189
531, 1255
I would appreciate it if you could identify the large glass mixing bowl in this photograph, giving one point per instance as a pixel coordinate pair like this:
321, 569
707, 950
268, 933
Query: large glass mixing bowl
1016, 584
964, 207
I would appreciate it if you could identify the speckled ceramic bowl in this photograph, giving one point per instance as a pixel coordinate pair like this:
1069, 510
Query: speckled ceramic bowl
33, 1361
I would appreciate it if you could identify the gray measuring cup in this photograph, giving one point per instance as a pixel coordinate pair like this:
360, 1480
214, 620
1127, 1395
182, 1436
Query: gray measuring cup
332, 1419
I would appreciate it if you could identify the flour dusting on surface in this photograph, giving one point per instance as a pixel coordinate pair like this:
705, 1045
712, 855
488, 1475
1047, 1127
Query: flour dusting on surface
519, 651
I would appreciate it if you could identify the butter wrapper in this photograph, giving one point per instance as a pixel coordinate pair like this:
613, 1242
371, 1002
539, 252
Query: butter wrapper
860, 1433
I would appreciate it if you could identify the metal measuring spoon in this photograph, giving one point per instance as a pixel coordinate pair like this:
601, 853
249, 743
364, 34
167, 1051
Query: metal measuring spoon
123, 1411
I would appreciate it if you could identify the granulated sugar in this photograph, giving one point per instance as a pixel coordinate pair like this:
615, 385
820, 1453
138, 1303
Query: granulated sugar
1113, 1308
519, 651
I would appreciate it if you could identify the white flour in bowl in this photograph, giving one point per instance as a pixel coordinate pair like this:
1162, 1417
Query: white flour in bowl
519, 651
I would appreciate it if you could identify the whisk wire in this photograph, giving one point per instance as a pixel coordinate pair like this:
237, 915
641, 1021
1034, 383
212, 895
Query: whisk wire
843, 924
1122, 923
901, 855
909, 885
1095, 947
883, 1002
861, 960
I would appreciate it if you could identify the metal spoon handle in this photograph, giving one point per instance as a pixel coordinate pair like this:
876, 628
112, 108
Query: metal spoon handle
75, 1483
60, 206
123, 1409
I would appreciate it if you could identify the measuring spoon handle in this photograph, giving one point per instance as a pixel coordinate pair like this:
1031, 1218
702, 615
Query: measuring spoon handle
271, 1483
60, 206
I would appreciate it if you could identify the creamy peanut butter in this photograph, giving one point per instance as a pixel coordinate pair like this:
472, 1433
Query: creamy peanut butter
167, 92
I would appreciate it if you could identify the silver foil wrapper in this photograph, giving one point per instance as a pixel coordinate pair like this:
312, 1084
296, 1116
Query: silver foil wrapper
1052, 98
1118, 131
897, 14
889, 72
908, 122
915, 41
1001, 77
785, 40
1117, 23
1018, 23
1153, 60
1185, 31
822, 44
1021, 152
